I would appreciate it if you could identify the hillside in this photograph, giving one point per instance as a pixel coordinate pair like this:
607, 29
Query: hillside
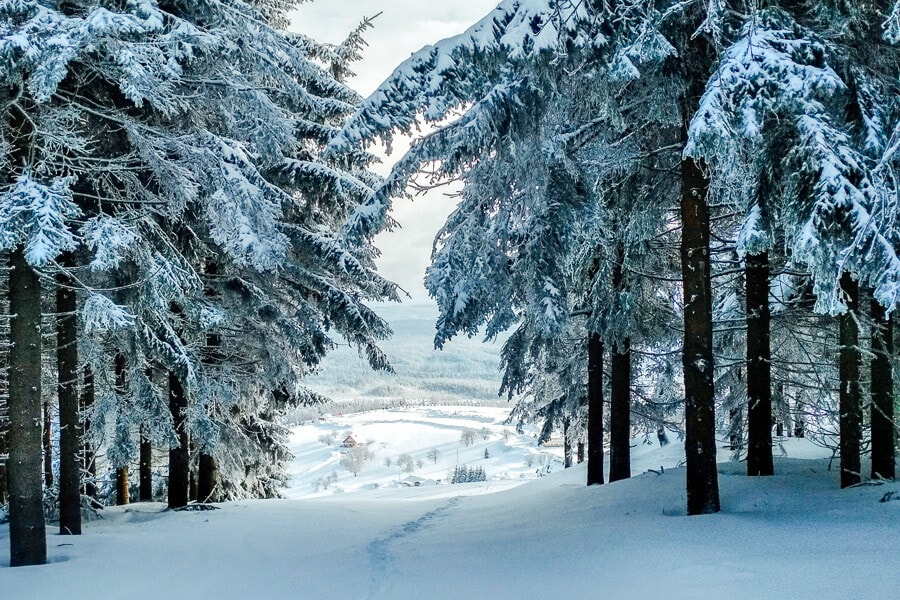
466, 371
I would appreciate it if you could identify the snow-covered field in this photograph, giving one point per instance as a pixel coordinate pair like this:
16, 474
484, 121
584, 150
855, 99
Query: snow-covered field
430, 436
795, 535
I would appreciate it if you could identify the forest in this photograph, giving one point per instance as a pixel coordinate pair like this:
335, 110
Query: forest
680, 214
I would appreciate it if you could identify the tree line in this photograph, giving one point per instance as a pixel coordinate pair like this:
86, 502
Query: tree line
175, 249
696, 200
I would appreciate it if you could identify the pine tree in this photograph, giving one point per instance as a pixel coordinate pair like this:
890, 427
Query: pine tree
882, 382
67, 392
206, 148
509, 249
807, 104
28, 545
759, 357
179, 455
123, 489
145, 466
850, 401
595, 410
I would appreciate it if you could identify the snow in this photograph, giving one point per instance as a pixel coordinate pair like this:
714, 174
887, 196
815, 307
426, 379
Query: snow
415, 431
40, 213
794, 535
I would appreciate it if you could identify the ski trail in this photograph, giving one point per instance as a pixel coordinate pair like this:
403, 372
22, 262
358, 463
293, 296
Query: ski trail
379, 551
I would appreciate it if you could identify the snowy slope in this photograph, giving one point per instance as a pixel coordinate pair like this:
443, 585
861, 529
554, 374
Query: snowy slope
513, 458
795, 535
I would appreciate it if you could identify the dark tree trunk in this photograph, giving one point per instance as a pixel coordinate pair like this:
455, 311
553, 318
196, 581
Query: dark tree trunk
145, 467
580, 452
883, 434
207, 470
89, 459
67, 390
179, 457
759, 368
620, 413
567, 444
47, 443
207, 477
850, 408
595, 410
4, 449
4, 412
27, 531
123, 493
620, 391
697, 358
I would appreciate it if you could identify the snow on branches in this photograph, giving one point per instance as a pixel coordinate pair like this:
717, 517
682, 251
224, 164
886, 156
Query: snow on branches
892, 25
39, 216
775, 81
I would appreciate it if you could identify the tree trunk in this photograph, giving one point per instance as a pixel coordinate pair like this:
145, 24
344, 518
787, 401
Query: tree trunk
567, 444
883, 434
697, 358
4, 394
89, 459
145, 475
620, 413
207, 478
620, 390
595, 410
123, 493
47, 443
580, 452
4, 449
192, 481
27, 533
67, 390
736, 430
207, 470
850, 408
785, 426
179, 457
759, 367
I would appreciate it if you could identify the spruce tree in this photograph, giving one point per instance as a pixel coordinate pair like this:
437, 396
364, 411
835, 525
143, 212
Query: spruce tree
595, 410
882, 382
759, 358
67, 393
207, 148
850, 400
28, 545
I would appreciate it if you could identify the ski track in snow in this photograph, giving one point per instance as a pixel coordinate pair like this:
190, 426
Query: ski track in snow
379, 553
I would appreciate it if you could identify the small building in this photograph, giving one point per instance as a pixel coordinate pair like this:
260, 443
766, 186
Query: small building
350, 442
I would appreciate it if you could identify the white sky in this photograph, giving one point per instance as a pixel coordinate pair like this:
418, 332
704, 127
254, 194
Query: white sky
404, 27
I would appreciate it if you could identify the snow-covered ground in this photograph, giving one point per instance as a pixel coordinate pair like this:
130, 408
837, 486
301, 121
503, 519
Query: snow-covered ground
795, 535
432, 436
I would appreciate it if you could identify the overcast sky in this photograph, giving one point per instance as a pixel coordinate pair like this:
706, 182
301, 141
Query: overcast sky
404, 27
